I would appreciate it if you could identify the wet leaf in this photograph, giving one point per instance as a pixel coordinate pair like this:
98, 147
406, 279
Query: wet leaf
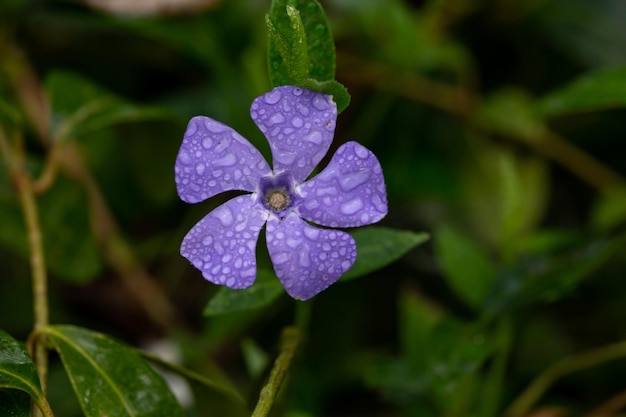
17, 372
110, 378
263, 292
380, 246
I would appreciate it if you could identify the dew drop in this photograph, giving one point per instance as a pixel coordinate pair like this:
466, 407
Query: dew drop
227, 160
276, 118
353, 180
272, 97
297, 122
281, 258
351, 206
314, 137
208, 239
207, 143
184, 158
312, 233
224, 214
200, 168
320, 102
360, 151
214, 126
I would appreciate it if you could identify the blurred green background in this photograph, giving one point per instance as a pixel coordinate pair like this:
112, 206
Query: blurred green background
499, 125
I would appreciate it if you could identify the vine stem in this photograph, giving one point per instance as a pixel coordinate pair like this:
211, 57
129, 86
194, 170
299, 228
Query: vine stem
290, 339
543, 382
24, 185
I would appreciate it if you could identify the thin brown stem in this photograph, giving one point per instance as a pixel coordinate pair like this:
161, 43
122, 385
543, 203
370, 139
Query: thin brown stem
23, 183
459, 101
117, 252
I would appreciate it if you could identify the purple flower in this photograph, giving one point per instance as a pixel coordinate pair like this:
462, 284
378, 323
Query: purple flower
299, 125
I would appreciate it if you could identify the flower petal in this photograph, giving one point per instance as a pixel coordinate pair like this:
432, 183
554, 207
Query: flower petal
349, 192
223, 244
214, 158
307, 259
299, 125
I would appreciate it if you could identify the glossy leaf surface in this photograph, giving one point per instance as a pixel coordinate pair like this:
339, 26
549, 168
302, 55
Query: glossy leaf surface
17, 370
110, 378
263, 292
380, 246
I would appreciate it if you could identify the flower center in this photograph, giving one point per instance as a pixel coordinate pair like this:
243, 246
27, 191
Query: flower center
277, 193
277, 200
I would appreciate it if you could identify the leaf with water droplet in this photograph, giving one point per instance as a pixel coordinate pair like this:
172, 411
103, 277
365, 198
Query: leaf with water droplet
17, 373
263, 292
380, 246
110, 378
301, 49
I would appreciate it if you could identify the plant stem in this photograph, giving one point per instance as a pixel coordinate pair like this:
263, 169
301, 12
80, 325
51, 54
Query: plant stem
24, 185
290, 338
543, 382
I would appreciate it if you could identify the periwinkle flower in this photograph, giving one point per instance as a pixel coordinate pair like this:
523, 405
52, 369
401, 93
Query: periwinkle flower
299, 125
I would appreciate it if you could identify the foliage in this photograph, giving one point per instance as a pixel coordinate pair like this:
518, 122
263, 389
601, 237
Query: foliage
498, 126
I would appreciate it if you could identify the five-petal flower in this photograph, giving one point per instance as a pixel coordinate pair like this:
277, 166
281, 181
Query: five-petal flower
299, 125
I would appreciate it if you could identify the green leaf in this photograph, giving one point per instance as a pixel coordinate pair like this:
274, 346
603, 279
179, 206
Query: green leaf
549, 276
304, 29
263, 292
598, 90
17, 372
380, 246
110, 378
301, 49
80, 106
340, 94
468, 270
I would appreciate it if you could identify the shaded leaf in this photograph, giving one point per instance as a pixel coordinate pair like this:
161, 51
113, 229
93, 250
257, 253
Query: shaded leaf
598, 90
263, 292
17, 372
467, 268
380, 246
549, 276
80, 106
110, 378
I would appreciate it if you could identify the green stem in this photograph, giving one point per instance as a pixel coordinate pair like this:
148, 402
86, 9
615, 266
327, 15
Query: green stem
543, 382
24, 185
289, 342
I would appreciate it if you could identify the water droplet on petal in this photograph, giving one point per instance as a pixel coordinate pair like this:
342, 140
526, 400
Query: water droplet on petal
311, 232
272, 97
351, 206
314, 137
208, 239
227, 160
224, 214
184, 158
200, 168
297, 122
276, 118
360, 151
207, 143
353, 180
320, 102
281, 258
